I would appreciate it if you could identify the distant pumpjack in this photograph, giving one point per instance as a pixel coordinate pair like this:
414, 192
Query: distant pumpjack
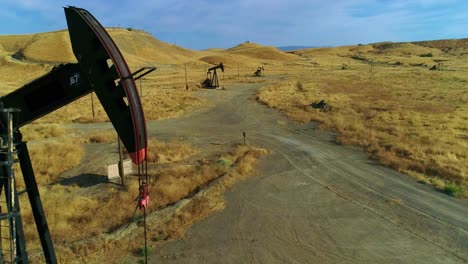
211, 80
438, 67
259, 72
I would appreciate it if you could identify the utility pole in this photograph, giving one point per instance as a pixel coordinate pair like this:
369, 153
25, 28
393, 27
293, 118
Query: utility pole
92, 104
141, 88
121, 168
186, 84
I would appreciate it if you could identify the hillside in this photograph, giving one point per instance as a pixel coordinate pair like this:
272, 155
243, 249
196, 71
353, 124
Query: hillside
381, 97
450, 46
26, 57
410, 54
50, 47
141, 47
258, 51
231, 60
402, 49
54, 47
384, 48
456, 47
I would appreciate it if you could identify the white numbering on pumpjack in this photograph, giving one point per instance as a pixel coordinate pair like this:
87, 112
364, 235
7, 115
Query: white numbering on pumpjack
74, 79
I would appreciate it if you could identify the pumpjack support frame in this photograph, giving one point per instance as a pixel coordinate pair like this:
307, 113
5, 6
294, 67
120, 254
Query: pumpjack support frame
102, 69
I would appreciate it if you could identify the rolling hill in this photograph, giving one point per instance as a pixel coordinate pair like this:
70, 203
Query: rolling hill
54, 47
25, 57
258, 51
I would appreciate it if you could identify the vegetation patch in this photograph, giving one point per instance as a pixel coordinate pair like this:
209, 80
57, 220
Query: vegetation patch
166, 152
452, 189
178, 176
408, 119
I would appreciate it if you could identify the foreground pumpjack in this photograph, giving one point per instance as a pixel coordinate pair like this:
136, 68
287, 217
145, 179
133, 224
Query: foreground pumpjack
211, 80
100, 69
259, 72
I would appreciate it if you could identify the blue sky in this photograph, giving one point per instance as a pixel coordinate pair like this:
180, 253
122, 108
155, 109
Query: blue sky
200, 24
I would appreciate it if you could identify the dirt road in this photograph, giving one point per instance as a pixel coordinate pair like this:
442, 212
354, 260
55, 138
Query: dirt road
313, 200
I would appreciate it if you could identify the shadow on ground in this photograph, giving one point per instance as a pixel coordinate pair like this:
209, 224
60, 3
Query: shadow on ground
85, 180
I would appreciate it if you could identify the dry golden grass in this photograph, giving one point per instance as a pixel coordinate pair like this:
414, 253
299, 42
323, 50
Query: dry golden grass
137, 46
455, 47
169, 103
158, 103
230, 60
70, 208
165, 152
106, 136
51, 158
40, 131
175, 182
212, 200
164, 91
261, 52
409, 118
15, 74
26, 57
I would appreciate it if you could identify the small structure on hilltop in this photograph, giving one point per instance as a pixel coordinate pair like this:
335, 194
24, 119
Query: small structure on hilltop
259, 72
211, 80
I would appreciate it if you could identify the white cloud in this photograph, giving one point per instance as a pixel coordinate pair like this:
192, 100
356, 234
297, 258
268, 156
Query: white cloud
273, 22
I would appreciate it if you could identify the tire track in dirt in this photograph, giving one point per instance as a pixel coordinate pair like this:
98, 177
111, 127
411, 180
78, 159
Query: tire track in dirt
367, 206
312, 201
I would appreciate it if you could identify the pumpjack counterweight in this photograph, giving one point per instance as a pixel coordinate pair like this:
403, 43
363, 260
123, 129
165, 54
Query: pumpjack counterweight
102, 69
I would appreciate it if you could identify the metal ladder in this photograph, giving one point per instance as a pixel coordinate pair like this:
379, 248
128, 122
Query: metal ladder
12, 245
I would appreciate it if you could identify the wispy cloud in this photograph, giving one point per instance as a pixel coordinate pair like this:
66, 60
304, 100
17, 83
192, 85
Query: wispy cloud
210, 23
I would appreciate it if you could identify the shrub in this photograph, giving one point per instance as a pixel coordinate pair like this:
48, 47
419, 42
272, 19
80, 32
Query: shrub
426, 55
299, 86
103, 137
452, 189
142, 252
165, 152
224, 163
